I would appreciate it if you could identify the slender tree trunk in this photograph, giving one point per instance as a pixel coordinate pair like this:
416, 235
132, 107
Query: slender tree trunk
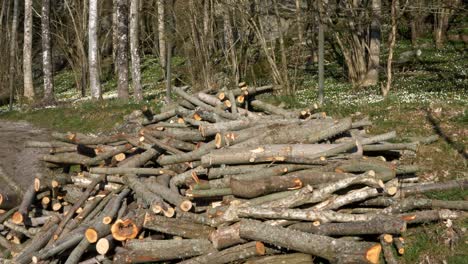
115, 33
122, 49
134, 49
93, 50
162, 33
229, 42
14, 29
300, 26
321, 54
47, 54
441, 20
374, 46
392, 40
2, 12
27, 49
284, 61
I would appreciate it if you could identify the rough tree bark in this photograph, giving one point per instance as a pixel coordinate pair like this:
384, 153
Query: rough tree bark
27, 50
134, 49
14, 29
161, 33
122, 49
93, 50
47, 54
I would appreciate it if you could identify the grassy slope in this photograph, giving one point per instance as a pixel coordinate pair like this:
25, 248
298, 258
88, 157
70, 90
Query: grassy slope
431, 98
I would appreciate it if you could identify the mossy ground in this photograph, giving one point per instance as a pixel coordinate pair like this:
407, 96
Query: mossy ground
429, 96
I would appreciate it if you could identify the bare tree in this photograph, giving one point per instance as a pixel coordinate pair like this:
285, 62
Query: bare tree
372, 76
162, 32
122, 49
47, 54
28, 91
14, 29
444, 9
134, 49
391, 46
93, 50
284, 60
229, 41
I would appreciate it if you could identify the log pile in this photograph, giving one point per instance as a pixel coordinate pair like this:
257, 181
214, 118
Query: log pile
221, 178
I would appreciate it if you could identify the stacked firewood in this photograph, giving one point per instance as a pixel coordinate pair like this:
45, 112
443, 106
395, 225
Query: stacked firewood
220, 178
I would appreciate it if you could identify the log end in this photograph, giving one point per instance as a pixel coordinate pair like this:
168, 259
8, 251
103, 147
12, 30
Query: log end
120, 157
103, 246
260, 248
169, 212
107, 220
37, 184
124, 229
17, 218
373, 254
186, 205
91, 235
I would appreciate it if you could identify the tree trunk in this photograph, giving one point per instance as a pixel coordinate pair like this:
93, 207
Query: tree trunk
392, 41
284, 61
372, 76
49, 97
122, 49
334, 250
134, 49
14, 29
229, 42
27, 49
93, 51
162, 33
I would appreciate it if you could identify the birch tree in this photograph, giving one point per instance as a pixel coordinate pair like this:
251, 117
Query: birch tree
28, 91
134, 49
93, 60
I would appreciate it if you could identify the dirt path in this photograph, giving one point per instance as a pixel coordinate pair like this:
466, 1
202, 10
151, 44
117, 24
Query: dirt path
17, 161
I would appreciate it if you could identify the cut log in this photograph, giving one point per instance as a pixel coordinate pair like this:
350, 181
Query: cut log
255, 188
176, 227
225, 237
105, 245
232, 254
162, 250
373, 227
21, 216
300, 153
326, 247
294, 258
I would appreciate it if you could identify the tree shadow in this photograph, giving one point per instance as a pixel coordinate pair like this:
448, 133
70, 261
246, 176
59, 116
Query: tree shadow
437, 129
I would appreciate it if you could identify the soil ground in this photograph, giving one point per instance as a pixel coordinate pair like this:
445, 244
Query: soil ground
18, 162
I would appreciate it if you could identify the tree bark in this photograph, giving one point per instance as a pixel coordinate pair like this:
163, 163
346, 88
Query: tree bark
162, 32
27, 50
93, 51
331, 249
12, 53
294, 258
230, 255
373, 227
122, 49
49, 97
177, 227
135, 50
162, 250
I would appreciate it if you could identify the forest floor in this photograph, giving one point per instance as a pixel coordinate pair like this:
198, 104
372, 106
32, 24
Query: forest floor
20, 163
